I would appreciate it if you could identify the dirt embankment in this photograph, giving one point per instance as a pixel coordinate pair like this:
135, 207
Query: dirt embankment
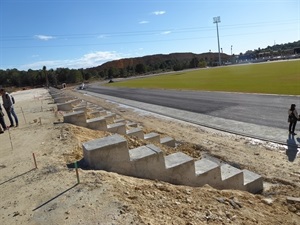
51, 195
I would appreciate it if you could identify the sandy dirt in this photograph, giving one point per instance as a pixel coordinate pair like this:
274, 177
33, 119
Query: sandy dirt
51, 194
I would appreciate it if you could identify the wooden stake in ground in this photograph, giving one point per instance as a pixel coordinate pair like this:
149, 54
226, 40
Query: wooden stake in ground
23, 115
12, 147
77, 174
34, 161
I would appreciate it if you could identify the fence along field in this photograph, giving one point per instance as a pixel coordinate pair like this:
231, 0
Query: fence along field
280, 77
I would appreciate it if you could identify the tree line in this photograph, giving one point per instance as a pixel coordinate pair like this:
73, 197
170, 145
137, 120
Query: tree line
133, 66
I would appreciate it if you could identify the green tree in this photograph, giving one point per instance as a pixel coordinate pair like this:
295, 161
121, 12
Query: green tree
194, 62
140, 68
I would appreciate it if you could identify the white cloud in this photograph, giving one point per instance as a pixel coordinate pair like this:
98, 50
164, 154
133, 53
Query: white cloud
101, 36
44, 37
157, 13
86, 61
166, 32
143, 22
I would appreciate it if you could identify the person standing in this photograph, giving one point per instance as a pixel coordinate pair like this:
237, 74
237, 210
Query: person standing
2, 122
293, 117
8, 105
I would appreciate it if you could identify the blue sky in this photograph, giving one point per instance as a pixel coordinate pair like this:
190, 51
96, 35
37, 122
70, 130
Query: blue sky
87, 33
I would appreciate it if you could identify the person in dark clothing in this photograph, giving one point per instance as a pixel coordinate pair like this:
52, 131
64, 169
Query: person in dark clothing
2, 122
293, 117
9, 107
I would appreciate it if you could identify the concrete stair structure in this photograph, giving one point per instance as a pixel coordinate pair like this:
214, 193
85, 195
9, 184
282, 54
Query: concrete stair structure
114, 124
67, 106
119, 128
111, 124
168, 141
62, 99
153, 137
97, 124
112, 154
77, 118
136, 132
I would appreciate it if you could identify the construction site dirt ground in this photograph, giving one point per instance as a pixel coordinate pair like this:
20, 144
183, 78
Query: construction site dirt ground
51, 194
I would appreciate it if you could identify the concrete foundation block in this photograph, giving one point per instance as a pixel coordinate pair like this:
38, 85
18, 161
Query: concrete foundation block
252, 181
153, 137
97, 124
75, 102
62, 99
91, 105
180, 168
118, 128
148, 162
168, 141
109, 153
57, 95
110, 117
120, 121
76, 118
64, 106
81, 108
102, 112
94, 114
136, 132
131, 124
207, 172
232, 178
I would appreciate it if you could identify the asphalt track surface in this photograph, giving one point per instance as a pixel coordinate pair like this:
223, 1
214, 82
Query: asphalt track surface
254, 115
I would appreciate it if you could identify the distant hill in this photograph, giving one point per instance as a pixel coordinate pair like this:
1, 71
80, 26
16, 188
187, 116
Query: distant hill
179, 61
159, 62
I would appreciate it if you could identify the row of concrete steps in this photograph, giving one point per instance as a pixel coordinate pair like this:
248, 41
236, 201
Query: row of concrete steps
112, 154
103, 120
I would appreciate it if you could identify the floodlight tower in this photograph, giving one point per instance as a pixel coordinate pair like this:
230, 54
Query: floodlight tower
216, 21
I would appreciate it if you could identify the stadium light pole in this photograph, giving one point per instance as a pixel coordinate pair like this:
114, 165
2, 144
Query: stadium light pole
216, 21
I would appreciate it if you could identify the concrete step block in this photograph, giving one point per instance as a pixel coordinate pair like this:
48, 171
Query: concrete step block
131, 124
136, 132
83, 103
153, 137
64, 106
232, 178
180, 169
77, 118
102, 112
252, 181
92, 106
81, 108
94, 114
62, 99
75, 102
98, 123
207, 172
168, 141
148, 162
108, 153
118, 128
120, 121
110, 117
57, 95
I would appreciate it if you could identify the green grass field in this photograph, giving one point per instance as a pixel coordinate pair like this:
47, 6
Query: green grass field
270, 78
